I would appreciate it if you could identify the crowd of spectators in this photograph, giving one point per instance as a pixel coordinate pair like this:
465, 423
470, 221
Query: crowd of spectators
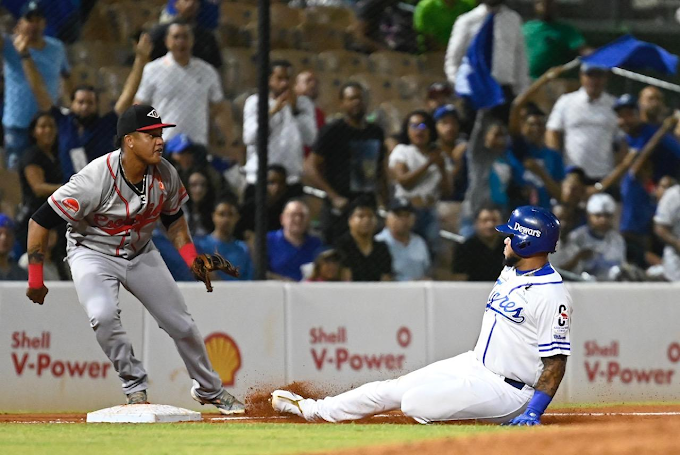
606, 165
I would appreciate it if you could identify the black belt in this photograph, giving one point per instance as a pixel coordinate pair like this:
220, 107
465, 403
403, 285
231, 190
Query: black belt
515, 384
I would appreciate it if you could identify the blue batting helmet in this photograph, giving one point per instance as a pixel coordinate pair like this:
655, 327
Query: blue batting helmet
534, 230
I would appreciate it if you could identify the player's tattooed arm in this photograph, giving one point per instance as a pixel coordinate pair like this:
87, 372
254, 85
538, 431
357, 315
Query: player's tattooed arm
36, 242
178, 233
553, 372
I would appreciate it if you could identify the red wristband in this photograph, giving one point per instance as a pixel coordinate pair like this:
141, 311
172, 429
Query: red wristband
35, 276
188, 253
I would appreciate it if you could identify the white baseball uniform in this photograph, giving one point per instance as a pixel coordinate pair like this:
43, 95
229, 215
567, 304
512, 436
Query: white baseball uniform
526, 318
109, 243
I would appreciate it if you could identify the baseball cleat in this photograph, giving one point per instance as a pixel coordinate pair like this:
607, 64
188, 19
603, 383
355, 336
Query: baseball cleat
225, 402
136, 398
288, 402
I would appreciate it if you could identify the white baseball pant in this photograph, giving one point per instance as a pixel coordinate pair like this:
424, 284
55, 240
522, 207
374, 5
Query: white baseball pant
459, 388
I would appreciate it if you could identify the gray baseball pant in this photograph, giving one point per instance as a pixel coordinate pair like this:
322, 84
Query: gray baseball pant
97, 278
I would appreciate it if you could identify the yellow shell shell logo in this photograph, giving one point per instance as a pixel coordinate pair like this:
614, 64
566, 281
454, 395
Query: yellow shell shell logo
224, 355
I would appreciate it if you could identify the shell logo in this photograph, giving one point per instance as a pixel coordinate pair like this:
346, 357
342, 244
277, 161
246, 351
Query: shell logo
224, 355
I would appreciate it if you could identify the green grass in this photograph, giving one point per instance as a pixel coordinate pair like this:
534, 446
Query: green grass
242, 439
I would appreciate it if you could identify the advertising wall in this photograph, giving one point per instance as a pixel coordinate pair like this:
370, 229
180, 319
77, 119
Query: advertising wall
261, 336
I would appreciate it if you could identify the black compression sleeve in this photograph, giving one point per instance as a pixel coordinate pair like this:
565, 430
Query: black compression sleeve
46, 217
167, 220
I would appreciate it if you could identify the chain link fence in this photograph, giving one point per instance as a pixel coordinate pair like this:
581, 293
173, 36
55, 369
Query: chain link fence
390, 173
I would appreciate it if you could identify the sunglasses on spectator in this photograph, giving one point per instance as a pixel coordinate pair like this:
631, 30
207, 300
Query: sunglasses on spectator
417, 126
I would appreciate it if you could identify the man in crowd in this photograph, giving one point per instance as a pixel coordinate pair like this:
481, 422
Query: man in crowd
450, 142
292, 125
509, 60
278, 195
666, 156
207, 17
597, 248
667, 228
185, 88
480, 258
434, 19
550, 42
438, 94
347, 161
188, 156
205, 45
49, 56
82, 133
366, 258
584, 126
9, 270
222, 240
544, 166
410, 256
291, 247
652, 105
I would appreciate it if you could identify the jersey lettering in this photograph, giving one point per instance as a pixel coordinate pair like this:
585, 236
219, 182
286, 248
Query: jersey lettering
506, 307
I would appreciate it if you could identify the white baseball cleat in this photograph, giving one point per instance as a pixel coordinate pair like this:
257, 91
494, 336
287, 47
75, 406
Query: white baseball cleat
288, 402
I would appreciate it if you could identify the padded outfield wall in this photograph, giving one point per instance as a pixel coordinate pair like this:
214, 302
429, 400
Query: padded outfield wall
263, 335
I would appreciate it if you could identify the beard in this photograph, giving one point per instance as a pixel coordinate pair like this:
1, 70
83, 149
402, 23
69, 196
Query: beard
511, 261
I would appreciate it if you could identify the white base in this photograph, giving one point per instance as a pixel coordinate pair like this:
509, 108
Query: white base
143, 413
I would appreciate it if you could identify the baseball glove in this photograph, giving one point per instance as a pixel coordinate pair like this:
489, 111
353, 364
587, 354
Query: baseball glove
206, 263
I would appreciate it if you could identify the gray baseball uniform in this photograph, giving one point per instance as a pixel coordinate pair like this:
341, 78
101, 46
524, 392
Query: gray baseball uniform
109, 243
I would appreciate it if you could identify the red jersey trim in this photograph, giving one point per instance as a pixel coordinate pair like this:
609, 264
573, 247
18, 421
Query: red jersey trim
62, 210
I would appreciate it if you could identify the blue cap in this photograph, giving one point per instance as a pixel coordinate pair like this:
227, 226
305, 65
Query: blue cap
443, 111
6, 221
178, 143
626, 100
592, 67
401, 204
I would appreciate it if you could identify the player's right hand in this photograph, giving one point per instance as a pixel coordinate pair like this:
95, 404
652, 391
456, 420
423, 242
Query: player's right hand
37, 295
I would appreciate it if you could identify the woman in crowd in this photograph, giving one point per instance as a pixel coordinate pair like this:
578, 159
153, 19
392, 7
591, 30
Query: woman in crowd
420, 172
201, 203
39, 171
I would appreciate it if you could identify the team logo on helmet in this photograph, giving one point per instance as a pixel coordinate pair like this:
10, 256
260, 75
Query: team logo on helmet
527, 231
153, 114
71, 204
224, 355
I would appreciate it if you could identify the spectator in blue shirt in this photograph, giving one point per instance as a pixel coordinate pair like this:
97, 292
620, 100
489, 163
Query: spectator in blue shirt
291, 247
544, 167
410, 256
638, 204
83, 134
222, 240
666, 157
28, 45
63, 16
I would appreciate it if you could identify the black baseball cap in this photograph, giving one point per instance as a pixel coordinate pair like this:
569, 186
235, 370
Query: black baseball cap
140, 117
401, 204
32, 9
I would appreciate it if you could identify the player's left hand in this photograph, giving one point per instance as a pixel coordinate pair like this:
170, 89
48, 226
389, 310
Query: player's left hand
528, 418
206, 263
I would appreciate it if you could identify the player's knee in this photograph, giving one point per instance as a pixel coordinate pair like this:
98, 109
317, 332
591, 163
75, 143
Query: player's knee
181, 330
103, 318
413, 407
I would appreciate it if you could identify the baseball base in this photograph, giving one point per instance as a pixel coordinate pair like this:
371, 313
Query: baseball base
143, 413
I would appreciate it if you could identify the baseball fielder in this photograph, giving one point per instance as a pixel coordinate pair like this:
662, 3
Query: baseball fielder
516, 366
111, 207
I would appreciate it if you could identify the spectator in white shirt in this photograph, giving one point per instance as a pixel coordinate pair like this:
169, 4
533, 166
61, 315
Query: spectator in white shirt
584, 125
292, 125
667, 228
509, 66
419, 170
185, 89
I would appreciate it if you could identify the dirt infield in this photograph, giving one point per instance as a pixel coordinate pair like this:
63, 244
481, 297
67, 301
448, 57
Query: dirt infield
619, 429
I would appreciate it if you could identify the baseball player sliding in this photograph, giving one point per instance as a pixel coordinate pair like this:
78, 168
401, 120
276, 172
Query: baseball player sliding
516, 366
111, 207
